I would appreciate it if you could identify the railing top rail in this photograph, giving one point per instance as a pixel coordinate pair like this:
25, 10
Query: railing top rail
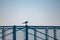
32, 27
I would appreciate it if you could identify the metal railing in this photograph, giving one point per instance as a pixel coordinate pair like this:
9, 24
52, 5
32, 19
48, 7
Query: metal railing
26, 28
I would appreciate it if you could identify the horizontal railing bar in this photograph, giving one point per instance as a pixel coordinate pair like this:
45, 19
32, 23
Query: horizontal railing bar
31, 27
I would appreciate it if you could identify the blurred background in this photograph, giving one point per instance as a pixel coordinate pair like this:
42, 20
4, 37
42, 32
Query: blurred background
37, 12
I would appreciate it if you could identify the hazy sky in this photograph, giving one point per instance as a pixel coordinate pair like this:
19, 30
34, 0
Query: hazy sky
37, 12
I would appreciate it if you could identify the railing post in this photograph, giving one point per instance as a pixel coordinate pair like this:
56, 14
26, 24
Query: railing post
46, 32
55, 38
14, 32
3, 34
26, 32
35, 33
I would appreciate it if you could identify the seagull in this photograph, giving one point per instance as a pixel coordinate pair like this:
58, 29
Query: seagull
25, 22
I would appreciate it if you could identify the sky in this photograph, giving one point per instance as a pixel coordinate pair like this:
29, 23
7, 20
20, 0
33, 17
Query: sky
36, 12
